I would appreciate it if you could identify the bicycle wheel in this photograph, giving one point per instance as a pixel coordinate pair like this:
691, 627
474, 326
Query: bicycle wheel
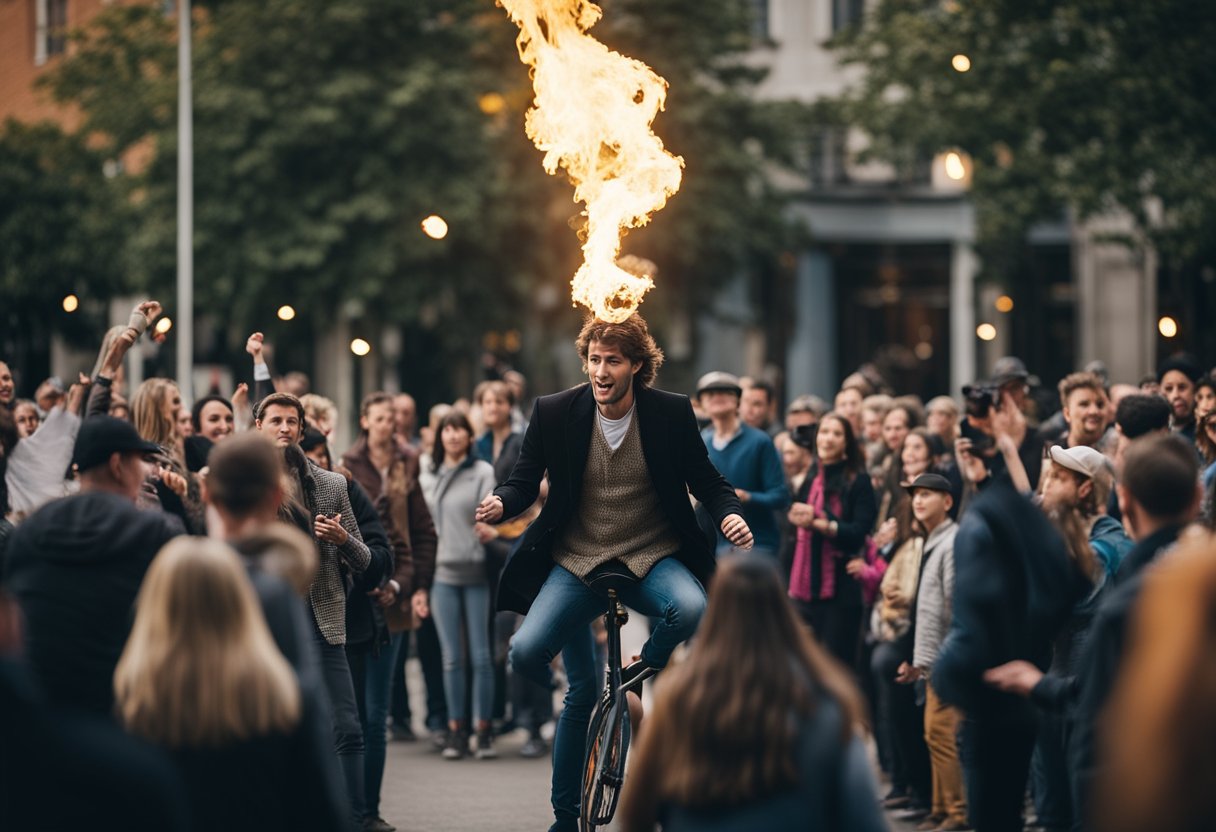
608, 738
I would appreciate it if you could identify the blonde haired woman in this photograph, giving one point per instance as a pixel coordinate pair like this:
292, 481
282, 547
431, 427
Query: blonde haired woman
202, 678
154, 411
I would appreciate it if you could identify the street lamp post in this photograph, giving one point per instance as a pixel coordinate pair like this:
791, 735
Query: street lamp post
185, 208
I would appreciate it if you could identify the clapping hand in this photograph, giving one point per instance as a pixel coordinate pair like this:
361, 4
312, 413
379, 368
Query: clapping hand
329, 529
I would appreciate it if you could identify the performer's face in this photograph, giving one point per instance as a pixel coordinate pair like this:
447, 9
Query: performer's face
610, 372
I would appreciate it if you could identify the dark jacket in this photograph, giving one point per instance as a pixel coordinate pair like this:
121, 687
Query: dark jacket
558, 440
1102, 659
508, 454
61, 771
365, 625
292, 630
1014, 587
858, 511
75, 566
835, 789
275, 782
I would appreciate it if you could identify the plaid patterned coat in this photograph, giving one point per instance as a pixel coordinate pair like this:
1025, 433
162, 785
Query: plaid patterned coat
326, 494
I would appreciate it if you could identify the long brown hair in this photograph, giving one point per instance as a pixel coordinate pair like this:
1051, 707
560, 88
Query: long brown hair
201, 668
1156, 733
725, 723
1074, 528
148, 412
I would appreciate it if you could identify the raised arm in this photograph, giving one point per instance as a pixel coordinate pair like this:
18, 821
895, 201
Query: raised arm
113, 351
262, 386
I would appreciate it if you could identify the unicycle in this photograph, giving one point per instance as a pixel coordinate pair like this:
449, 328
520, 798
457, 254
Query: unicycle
609, 731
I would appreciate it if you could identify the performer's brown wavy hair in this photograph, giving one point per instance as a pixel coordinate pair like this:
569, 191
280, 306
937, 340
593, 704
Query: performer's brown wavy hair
724, 727
631, 336
1156, 733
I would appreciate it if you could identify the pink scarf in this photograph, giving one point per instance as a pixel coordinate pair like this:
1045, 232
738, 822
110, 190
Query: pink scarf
800, 573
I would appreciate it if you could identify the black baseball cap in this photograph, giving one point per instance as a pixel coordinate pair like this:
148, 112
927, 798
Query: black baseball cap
101, 436
933, 482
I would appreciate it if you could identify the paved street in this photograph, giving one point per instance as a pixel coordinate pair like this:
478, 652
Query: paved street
425, 793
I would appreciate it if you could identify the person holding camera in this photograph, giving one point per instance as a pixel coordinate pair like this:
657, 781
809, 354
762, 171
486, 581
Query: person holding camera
996, 444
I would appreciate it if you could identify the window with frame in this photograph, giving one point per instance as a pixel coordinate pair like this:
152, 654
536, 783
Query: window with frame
846, 13
828, 157
50, 29
760, 21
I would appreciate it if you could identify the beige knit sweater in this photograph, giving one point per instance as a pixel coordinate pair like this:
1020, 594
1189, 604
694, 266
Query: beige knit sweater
619, 514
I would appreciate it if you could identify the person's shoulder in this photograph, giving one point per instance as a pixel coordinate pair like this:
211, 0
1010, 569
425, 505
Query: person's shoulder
664, 398
482, 468
562, 397
757, 437
330, 479
1119, 599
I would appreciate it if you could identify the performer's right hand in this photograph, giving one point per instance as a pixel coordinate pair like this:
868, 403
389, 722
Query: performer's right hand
490, 510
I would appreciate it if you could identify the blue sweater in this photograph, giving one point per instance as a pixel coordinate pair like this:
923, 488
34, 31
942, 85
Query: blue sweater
750, 462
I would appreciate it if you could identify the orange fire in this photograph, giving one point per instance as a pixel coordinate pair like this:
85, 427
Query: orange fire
592, 117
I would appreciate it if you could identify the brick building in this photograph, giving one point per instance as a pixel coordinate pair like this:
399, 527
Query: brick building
33, 36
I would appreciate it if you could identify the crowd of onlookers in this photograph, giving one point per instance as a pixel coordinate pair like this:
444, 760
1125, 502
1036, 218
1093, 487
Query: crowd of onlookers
205, 611
978, 566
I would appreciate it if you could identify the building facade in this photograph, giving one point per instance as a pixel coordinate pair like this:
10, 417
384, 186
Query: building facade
891, 276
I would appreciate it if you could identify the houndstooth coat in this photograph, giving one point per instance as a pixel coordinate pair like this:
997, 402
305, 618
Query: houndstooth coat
327, 495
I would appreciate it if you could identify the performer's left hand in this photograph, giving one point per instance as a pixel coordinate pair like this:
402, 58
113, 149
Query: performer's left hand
736, 531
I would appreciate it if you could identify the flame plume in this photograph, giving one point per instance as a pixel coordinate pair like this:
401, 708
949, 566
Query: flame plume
592, 117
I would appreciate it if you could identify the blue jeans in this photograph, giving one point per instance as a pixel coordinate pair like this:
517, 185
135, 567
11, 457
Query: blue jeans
451, 605
558, 622
378, 676
348, 729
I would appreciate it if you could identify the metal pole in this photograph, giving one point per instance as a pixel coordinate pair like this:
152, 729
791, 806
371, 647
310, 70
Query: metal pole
185, 208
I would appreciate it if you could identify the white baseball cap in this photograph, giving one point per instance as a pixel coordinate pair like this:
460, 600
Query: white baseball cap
1084, 460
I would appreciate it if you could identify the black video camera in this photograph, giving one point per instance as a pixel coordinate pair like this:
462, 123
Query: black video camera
980, 398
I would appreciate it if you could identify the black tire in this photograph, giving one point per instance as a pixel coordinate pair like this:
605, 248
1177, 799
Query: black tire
604, 773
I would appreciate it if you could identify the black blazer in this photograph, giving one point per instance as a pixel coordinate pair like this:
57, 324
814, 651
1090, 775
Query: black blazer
558, 440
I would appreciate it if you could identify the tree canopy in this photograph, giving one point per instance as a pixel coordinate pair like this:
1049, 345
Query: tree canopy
1081, 104
326, 130
60, 233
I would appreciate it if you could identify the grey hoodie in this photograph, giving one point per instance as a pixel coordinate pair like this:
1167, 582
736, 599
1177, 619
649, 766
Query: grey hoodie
452, 495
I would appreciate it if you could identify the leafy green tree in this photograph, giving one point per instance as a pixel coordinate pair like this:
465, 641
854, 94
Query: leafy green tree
323, 133
326, 130
60, 229
1084, 104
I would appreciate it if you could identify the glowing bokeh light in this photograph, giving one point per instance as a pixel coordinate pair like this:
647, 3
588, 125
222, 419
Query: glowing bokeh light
435, 227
